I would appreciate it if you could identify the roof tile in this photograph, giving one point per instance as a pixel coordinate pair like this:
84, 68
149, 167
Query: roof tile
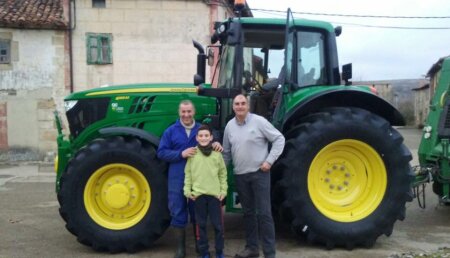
42, 14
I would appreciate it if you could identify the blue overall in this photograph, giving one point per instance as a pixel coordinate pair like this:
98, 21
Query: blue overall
173, 142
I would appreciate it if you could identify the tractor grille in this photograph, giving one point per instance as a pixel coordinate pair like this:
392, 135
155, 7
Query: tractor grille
141, 104
85, 113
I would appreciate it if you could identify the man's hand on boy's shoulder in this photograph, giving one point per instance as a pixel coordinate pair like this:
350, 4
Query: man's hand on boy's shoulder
189, 152
217, 146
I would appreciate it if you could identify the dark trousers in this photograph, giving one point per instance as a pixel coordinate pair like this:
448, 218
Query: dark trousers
209, 205
254, 194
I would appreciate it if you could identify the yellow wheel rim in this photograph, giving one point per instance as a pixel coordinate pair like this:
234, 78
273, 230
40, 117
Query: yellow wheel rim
347, 180
117, 196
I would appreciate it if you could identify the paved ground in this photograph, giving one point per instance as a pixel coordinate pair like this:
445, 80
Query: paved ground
30, 225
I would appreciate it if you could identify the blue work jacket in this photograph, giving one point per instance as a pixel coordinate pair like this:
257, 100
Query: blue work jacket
173, 142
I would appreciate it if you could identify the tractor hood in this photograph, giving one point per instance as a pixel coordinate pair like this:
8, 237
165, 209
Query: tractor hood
134, 105
132, 89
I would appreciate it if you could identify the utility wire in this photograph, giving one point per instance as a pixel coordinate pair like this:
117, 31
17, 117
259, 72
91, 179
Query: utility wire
393, 27
281, 13
357, 15
224, 3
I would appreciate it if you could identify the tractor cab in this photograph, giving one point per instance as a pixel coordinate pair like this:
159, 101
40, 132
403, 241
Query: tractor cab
266, 59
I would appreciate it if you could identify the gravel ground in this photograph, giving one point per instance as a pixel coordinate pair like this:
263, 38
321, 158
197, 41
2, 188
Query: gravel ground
441, 252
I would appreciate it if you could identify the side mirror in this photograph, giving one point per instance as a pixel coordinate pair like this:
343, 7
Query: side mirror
347, 73
210, 57
338, 31
199, 78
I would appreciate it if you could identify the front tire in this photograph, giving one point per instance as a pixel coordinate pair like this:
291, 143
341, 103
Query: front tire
345, 178
113, 195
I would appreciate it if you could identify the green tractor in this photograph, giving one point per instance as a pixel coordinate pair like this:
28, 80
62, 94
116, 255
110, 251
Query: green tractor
434, 147
344, 176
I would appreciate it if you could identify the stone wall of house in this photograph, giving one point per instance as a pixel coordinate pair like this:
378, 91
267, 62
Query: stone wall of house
28, 89
151, 40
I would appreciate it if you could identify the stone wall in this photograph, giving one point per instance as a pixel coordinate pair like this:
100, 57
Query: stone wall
421, 105
28, 89
151, 40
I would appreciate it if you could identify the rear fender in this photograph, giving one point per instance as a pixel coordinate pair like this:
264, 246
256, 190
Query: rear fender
104, 132
343, 98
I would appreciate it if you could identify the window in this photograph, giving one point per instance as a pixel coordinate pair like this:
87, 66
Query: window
311, 58
99, 48
5, 51
98, 3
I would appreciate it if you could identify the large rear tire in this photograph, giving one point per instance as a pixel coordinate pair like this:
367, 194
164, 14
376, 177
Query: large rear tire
113, 195
345, 178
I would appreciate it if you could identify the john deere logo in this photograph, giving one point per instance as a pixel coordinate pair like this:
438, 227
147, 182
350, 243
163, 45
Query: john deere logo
115, 107
122, 97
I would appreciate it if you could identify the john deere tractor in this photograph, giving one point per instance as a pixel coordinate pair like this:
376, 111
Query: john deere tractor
434, 155
344, 176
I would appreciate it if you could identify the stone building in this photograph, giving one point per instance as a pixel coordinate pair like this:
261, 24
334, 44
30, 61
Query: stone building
383, 89
132, 41
421, 104
51, 48
423, 94
33, 58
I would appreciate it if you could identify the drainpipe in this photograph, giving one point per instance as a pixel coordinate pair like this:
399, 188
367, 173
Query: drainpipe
71, 23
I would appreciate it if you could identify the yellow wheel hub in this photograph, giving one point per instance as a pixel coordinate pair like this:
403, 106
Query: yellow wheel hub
117, 196
347, 180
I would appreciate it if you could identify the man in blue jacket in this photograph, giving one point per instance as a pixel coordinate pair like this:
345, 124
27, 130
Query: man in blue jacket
177, 144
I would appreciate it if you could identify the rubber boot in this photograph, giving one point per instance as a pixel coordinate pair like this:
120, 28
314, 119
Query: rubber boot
181, 243
194, 225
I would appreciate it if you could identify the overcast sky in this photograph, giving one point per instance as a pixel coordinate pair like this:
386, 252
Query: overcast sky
378, 53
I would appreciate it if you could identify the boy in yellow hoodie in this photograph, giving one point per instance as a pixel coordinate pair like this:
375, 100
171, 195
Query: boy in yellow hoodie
205, 183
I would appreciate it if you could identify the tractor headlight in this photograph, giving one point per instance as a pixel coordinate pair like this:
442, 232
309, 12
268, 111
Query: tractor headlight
70, 104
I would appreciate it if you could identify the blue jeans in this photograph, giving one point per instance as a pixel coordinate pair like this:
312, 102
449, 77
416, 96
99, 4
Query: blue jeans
254, 194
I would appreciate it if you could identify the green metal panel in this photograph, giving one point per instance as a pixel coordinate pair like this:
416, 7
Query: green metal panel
133, 88
434, 149
430, 148
298, 96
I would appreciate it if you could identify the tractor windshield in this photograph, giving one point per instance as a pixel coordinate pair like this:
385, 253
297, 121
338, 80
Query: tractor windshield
226, 67
263, 59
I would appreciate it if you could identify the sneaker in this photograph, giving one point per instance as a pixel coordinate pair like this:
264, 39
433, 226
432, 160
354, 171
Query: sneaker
247, 253
204, 256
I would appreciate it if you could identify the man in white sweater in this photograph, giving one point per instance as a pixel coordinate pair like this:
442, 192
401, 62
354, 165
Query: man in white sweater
246, 143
